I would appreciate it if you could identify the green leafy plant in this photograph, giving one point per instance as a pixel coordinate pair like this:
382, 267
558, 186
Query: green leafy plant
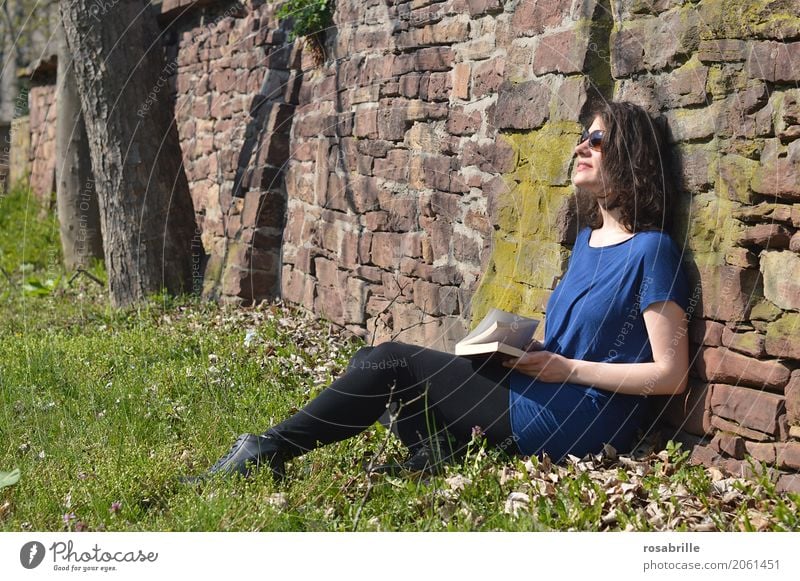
309, 17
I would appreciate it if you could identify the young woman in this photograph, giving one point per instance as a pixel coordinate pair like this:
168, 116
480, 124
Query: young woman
615, 333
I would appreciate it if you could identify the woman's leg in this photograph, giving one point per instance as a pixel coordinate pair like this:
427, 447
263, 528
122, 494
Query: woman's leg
434, 391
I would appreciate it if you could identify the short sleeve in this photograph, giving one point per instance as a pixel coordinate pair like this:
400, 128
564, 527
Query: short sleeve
663, 278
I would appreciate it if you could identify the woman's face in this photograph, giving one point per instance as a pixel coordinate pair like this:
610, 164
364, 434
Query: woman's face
587, 172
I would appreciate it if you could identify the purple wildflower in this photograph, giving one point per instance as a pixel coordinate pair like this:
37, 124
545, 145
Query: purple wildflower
115, 507
477, 432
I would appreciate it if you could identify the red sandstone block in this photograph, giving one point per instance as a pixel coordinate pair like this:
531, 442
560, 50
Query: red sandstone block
438, 87
749, 408
487, 76
532, 17
461, 79
729, 444
719, 364
748, 343
788, 483
729, 426
792, 394
787, 455
778, 177
365, 193
392, 119
704, 455
433, 59
386, 249
561, 52
761, 451
409, 85
705, 332
522, 106
774, 61
727, 291
766, 236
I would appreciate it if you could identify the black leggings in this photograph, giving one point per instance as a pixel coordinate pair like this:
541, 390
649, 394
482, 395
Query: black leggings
430, 393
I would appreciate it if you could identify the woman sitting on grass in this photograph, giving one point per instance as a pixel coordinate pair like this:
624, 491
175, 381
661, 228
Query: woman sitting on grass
615, 333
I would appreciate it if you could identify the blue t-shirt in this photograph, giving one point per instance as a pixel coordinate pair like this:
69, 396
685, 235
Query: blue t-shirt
595, 314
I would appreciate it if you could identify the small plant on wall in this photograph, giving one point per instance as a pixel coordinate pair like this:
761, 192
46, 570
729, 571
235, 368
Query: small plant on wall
310, 18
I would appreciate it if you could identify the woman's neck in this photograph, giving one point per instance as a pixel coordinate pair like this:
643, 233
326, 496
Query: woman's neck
611, 220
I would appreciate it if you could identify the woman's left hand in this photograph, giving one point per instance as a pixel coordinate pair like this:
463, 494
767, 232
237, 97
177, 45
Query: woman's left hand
543, 365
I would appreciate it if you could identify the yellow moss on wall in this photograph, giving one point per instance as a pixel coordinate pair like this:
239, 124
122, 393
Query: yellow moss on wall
526, 256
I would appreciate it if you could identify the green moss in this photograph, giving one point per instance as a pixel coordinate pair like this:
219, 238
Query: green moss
765, 311
785, 330
527, 257
734, 176
753, 19
711, 227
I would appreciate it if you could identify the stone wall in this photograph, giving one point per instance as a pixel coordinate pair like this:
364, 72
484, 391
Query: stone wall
236, 82
42, 103
417, 173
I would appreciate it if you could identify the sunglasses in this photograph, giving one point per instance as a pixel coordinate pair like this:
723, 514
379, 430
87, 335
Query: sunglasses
595, 138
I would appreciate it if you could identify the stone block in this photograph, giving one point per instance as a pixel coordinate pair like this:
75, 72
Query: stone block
728, 292
521, 106
741, 257
778, 177
365, 193
751, 344
729, 444
704, 456
487, 76
787, 455
691, 410
749, 408
765, 236
724, 50
431, 59
263, 209
728, 426
460, 122
479, 7
533, 17
329, 302
705, 332
761, 451
781, 274
720, 364
386, 249
774, 61
792, 395
788, 483
393, 167
783, 336
654, 43
249, 284
392, 119
461, 80
365, 121
561, 52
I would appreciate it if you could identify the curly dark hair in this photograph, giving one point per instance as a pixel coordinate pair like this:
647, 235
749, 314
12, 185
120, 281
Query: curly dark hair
638, 165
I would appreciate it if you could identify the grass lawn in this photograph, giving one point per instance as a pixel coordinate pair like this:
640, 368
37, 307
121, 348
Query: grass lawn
103, 410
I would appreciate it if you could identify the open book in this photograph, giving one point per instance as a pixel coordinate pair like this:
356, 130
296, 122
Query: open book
499, 332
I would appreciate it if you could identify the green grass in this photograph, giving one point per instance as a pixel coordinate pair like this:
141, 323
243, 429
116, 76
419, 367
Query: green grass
103, 410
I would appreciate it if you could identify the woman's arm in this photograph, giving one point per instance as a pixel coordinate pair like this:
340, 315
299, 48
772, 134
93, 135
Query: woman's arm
667, 374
